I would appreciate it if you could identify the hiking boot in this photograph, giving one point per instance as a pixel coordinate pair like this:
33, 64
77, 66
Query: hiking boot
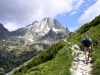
86, 61
88, 58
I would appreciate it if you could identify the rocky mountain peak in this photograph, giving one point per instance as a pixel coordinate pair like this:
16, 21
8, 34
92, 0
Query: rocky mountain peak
4, 33
40, 29
2, 27
35, 22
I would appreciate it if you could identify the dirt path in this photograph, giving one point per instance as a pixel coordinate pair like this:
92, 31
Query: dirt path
79, 66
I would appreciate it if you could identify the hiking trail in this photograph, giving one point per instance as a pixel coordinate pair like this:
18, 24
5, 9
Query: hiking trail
79, 67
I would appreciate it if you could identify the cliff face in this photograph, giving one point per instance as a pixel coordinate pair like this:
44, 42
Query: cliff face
4, 33
45, 31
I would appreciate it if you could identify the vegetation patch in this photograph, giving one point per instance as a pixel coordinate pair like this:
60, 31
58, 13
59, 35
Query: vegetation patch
42, 63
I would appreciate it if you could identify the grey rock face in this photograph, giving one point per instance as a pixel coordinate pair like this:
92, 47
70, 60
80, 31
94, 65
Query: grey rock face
19, 32
45, 30
4, 33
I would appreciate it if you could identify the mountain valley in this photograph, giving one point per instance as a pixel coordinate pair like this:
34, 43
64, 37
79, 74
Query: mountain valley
21, 45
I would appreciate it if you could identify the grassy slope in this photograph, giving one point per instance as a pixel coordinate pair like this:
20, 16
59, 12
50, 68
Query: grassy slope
92, 29
13, 53
59, 65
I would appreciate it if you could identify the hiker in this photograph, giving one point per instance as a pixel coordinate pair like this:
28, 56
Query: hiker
87, 47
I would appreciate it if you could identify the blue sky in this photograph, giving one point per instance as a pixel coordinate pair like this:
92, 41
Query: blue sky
15, 14
71, 19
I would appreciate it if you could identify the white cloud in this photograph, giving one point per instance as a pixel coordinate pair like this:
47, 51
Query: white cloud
77, 4
11, 26
24, 12
90, 13
72, 29
74, 12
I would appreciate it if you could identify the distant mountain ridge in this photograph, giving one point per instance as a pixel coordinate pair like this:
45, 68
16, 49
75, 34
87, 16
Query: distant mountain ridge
46, 31
4, 33
46, 28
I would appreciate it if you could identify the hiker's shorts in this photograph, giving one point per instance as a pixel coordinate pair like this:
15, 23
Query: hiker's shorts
87, 49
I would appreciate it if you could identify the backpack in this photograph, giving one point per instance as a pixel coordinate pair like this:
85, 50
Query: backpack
87, 42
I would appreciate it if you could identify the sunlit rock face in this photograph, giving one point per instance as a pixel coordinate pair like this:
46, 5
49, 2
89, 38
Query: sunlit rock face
45, 31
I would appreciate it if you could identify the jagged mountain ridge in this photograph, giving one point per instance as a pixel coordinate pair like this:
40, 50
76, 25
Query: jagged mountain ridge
4, 33
36, 31
51, 34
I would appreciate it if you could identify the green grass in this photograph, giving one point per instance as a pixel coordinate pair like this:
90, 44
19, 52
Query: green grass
93, 31
58, 66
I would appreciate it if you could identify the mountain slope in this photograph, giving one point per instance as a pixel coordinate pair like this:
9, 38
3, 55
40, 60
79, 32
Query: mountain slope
14, 53
21, 45
92, 29
4, 33
61, 63
50, 62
